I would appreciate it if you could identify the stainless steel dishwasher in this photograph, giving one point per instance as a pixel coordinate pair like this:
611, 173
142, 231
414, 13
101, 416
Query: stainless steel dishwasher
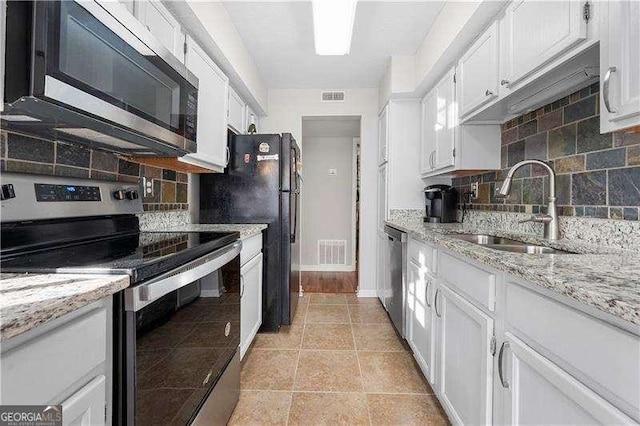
396, 276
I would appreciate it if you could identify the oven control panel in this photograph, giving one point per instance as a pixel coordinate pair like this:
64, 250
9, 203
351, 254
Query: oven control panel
48, 192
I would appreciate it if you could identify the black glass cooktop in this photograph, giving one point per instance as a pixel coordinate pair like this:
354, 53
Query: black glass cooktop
141, 255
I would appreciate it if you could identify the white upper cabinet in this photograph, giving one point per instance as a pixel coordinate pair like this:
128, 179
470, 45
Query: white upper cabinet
536, 32
439, 120
465, 360
157, 19
383, 136
211, 132
620, 65
235, 112
478, 72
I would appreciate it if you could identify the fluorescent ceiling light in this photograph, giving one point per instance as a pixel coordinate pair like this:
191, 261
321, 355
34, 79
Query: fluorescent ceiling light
333, 26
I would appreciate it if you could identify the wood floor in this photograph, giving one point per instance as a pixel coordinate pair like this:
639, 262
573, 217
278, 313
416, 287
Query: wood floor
330, 282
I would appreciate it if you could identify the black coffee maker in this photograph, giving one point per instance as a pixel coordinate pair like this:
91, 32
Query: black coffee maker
440, 203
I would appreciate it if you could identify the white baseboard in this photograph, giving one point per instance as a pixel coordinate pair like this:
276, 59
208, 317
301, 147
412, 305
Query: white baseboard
325, 268
367, 293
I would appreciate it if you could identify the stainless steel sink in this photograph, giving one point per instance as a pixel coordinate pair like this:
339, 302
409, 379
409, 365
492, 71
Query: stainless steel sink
484, 240
526, 248
506, 244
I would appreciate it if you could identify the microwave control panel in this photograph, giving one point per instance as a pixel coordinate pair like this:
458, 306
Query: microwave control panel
48, 192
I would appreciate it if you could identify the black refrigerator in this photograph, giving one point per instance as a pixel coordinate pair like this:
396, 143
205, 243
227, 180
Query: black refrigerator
261, 184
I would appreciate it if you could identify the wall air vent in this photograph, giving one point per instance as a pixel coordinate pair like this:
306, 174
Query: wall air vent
332, 96
332, 252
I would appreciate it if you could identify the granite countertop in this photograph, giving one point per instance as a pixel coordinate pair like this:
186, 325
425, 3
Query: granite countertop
30, 300
604, 278
245, 229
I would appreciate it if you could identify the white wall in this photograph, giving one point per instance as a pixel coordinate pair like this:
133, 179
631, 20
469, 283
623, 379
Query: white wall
328, 199
286, 109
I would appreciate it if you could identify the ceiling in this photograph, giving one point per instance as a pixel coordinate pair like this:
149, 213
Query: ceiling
279, 36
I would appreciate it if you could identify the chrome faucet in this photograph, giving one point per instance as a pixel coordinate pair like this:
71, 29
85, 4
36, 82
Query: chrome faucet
550, 220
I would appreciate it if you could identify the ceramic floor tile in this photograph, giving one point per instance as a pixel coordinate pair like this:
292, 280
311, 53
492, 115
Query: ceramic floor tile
388, 409
266, 369
391, 372
328, 409
377, 337
261, 408
328, 336
329, 371
327, 314
289, 337
327, 299
368, 314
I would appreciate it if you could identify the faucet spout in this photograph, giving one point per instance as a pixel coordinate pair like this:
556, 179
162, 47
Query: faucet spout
550, 220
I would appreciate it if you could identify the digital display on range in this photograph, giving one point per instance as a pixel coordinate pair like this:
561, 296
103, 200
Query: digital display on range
46, 192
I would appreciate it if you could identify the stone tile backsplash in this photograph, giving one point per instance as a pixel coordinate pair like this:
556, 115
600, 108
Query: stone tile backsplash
24, 154
597, 175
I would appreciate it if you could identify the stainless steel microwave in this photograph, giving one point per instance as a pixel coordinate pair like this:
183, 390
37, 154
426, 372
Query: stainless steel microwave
88, 72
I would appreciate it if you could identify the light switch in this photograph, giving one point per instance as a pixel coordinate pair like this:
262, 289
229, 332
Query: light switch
333, 172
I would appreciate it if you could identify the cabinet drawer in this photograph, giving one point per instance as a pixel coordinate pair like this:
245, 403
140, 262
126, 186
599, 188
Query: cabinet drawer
37, 371
475, 282
422, 255
250, 248
602, 356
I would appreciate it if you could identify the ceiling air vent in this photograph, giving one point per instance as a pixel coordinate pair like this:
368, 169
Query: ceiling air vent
332, 96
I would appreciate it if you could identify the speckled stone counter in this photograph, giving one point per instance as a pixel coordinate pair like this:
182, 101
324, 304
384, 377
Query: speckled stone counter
30, 300
607, 279
245, 229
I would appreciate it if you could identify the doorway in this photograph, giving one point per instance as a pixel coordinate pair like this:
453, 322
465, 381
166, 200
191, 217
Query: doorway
330, 203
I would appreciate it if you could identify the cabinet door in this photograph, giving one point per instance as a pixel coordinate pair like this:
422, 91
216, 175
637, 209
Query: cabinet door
420, 324
235, 113
536, 391
211, 132
250, 302
87, 406
446, 122
382, 197
429, 131
158, 20
381, 269
620, 65
383, 136
536, 32
465, 361
478, 72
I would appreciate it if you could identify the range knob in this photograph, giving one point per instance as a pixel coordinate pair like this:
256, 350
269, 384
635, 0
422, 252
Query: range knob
132, 195
120, 194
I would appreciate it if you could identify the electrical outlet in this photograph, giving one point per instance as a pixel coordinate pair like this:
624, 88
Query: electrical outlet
474, 189
148, 186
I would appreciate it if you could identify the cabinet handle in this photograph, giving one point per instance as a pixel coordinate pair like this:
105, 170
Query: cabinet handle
228, 157
505, 383
241, 286
504, 82
431, 160
435, 303
148, 28
426, 293
488, 93
605, 90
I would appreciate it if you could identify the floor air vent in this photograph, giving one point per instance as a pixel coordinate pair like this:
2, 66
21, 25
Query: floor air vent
332, 96
332, 252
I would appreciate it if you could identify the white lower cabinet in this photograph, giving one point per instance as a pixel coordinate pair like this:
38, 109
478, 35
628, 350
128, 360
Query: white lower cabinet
536, 391
465, 360
250, 291
420, 318
86, 407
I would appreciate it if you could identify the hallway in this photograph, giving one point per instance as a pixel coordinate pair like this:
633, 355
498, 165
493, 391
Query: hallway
340, 362
329, 282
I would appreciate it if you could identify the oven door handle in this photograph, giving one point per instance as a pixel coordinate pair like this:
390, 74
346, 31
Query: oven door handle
138, 297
